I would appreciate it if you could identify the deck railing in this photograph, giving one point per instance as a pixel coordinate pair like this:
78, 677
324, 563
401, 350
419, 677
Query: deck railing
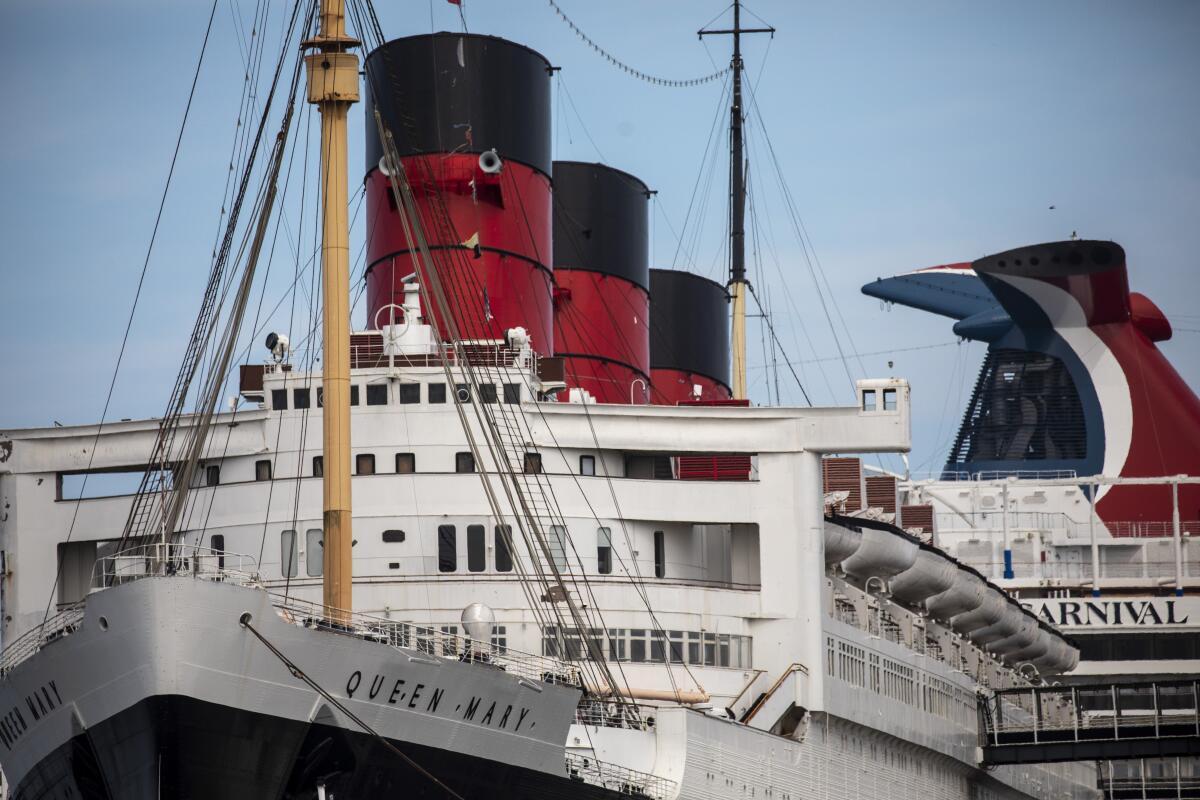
64, 623
618, 779
430, 641
165, 559
1155, 709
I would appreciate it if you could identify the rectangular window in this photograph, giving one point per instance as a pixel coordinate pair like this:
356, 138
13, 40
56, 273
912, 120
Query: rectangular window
318, 466
301, 398
587, 465
889, 399
487, 392
512, 393
364, 464
354, 394
500, 639
637, 645
533, 463
212, 475
675, 646
868, 400
660, 555
604, 551
217, 544
447, 549
279, 399
476, 549
693, 647
437, 392
410, 393
658, 649
288, 547
503, 554
314, 552
393, 536
262, 470
618, 649
464, 462
558, 546
406, 463
462, 393
377, 394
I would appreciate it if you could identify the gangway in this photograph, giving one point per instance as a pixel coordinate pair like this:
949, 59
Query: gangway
1038, 724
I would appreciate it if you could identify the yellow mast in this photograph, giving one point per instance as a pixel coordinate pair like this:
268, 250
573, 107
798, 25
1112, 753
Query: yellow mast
737, 293
333, 86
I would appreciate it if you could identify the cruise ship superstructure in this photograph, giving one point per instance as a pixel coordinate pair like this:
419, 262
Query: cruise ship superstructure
1073, 481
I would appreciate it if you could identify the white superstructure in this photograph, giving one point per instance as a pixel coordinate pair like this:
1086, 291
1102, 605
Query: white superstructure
807, 654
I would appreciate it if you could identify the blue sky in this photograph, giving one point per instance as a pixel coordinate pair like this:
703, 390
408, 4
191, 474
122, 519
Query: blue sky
910, 134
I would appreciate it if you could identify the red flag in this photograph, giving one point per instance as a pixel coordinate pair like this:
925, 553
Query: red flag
454, 2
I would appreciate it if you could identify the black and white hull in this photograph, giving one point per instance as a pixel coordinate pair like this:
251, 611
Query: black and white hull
156, 690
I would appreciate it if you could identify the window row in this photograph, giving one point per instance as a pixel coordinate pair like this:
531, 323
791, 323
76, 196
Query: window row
476, 548
476, 540
380, 394
644, 645
901, 682
406, 463
289, 548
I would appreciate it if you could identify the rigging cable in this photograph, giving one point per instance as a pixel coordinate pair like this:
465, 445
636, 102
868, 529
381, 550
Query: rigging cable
621, 65
246, 622
136, 297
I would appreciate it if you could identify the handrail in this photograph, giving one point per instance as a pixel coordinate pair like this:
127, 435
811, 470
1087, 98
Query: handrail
27, 644
430, 641
619, 779
165, 559
1092, 713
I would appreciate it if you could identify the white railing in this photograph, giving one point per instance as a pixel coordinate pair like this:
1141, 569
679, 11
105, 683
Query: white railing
1152, 569
1024, 474
608, 714
618, 779
430, 641
64, 623
174, 559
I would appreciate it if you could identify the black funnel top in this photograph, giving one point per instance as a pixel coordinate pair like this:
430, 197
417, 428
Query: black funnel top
689, 324
601, 221
451, 92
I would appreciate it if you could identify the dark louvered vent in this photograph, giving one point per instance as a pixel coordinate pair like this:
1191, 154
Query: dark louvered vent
1025, 408
917, 517
844, 474
881, 492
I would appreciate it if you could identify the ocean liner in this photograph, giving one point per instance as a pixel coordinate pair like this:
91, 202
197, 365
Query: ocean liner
523, 536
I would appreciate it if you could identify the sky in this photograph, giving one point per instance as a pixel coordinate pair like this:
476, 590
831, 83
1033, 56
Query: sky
908, 135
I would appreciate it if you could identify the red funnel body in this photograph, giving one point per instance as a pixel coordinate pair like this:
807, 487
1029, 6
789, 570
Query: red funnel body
447, 99
506, 279
601, 267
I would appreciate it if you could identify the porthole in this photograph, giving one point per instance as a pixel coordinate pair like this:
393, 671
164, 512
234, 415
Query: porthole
103, 623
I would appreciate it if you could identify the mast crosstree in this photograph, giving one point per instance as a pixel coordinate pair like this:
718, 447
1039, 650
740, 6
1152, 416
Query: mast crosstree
738, 285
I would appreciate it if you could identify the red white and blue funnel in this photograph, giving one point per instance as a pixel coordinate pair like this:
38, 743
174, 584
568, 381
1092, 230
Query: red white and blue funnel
1073, 380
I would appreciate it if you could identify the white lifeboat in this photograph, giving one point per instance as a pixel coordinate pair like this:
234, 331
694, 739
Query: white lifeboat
1010, 621
965, 594
990, 609
929, 576
840, 542
882, 554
